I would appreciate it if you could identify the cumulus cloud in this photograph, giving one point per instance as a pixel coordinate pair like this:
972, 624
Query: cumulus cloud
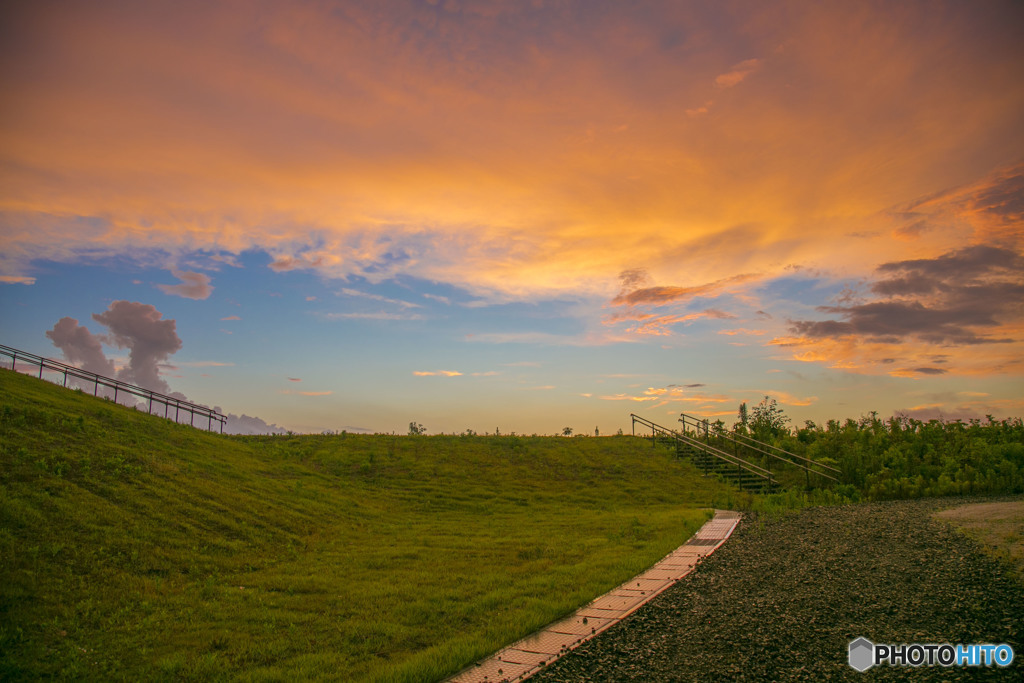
149, 338
193, 285
244, 424
80, 347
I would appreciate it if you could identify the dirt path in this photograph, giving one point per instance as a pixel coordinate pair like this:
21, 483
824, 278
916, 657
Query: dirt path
998, 527
783, 599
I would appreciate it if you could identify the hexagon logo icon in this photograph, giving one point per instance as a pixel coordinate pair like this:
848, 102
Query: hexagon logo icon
862, 654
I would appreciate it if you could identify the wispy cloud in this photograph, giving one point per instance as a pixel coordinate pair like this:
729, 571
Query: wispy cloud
307, 393
17, 279
743, 331
203, 364
231, 317
738, 73
549, 339
783, 397
193, 285
626, 397
660, 296
347, 291
436, 373
377, 315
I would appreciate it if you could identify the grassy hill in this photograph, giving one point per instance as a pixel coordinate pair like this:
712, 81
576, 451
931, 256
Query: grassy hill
135, 548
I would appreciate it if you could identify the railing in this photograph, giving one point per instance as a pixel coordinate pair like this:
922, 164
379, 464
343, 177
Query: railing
706, 448
701, 430
151, 397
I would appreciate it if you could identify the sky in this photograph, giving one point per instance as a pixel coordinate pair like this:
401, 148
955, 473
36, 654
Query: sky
520, 216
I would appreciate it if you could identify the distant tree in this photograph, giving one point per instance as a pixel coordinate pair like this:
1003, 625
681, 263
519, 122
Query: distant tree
768, 419
416, 429
597, 432
619, 433
744, 418
567, 431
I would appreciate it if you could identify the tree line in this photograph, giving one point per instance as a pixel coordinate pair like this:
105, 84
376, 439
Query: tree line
900, 457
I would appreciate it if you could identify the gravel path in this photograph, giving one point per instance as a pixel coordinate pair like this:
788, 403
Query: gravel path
785, 596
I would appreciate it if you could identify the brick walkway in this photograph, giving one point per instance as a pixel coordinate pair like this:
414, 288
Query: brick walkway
521, 659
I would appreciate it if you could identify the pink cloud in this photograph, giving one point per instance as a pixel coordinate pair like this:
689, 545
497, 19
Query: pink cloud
193, 285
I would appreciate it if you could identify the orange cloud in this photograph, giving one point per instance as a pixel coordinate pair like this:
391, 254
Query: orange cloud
738, 73
438, 373
732, 333
516, 157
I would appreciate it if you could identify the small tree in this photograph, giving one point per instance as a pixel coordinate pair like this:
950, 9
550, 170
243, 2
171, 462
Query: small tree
416, 429
597, 432
567, 431
768, 419
744, 418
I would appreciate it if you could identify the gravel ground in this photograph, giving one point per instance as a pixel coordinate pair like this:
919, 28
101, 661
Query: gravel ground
782, 599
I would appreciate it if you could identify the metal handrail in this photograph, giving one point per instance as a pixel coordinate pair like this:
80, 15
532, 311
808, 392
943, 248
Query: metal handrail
707, 448
761, 447
118, 386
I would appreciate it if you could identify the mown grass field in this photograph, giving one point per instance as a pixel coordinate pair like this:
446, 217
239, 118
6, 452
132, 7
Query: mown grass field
132, 548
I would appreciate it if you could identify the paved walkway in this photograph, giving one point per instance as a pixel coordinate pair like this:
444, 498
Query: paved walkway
527, 656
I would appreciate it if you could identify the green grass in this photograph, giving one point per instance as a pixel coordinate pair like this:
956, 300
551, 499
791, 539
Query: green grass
133, 548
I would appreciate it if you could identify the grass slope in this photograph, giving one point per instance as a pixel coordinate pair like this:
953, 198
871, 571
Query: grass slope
134, 548
783, 598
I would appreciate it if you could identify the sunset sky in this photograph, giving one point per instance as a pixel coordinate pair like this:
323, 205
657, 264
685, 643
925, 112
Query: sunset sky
520, 215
